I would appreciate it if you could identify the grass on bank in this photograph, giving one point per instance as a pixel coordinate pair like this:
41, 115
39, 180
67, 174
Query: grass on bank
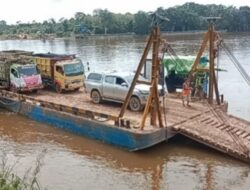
10, 181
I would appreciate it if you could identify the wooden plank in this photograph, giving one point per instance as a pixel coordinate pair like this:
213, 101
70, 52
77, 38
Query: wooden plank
219, 126
205, 119
240, 132
214, 124
235, 130
230, 129
209, 122
225, 127
246, 135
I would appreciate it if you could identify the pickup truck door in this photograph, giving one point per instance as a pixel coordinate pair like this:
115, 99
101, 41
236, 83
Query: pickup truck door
121, 88
108, 86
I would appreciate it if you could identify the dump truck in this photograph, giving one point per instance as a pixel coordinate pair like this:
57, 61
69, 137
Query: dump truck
18, 72
63, 72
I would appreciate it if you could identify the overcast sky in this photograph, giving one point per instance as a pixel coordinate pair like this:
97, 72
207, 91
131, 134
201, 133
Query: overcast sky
39, 10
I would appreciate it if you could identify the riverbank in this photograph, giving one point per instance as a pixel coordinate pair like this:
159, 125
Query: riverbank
26, 37
165, 34
80, 36
10, 180
54, 36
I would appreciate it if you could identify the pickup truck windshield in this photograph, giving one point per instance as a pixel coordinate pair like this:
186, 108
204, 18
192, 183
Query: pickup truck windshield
27, 70
73, 69
131, 77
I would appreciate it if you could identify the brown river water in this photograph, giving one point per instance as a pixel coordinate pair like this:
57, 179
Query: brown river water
74, 162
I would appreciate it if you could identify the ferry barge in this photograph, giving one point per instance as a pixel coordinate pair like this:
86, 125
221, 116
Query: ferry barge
206, 122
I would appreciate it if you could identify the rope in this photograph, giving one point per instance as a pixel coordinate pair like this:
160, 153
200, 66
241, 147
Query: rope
167, 48
163, 88
237, 64
172, 53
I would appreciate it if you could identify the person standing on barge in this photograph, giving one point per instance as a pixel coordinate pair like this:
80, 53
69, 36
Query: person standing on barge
186, 92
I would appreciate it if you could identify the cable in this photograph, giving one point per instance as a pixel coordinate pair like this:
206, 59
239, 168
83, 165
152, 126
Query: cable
236, 64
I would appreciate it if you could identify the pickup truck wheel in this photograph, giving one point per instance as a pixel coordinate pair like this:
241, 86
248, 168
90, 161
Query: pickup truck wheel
135, 104
58, 88
95, 96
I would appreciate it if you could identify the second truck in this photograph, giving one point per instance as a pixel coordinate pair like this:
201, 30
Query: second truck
60, 71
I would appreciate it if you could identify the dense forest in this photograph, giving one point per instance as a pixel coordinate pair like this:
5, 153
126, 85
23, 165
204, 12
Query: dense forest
187, 17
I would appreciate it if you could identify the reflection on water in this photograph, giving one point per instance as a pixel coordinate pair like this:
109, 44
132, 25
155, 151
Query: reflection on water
73, 162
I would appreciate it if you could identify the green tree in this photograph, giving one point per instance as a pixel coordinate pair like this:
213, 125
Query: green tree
106, 18
142, 21
186, 17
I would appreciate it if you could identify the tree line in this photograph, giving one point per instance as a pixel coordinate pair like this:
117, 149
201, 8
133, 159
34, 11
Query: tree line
186, 17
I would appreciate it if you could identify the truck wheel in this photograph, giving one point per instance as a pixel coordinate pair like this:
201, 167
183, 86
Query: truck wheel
13, 89
96, 97
135, 104
76, 89
58, 88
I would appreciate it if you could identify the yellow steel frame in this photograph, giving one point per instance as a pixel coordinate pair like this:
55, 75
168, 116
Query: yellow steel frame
208, 39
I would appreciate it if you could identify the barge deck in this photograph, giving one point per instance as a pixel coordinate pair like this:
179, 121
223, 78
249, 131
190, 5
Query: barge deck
206, 124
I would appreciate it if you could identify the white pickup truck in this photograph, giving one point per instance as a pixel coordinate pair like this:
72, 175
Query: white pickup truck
114, 87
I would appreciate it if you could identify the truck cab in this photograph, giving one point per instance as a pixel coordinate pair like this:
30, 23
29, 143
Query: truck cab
24, 78
60, 71
69, 75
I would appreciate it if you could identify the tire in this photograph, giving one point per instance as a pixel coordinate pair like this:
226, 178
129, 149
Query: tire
96, 97
13, 89
58, 88
76, 89
135, 104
